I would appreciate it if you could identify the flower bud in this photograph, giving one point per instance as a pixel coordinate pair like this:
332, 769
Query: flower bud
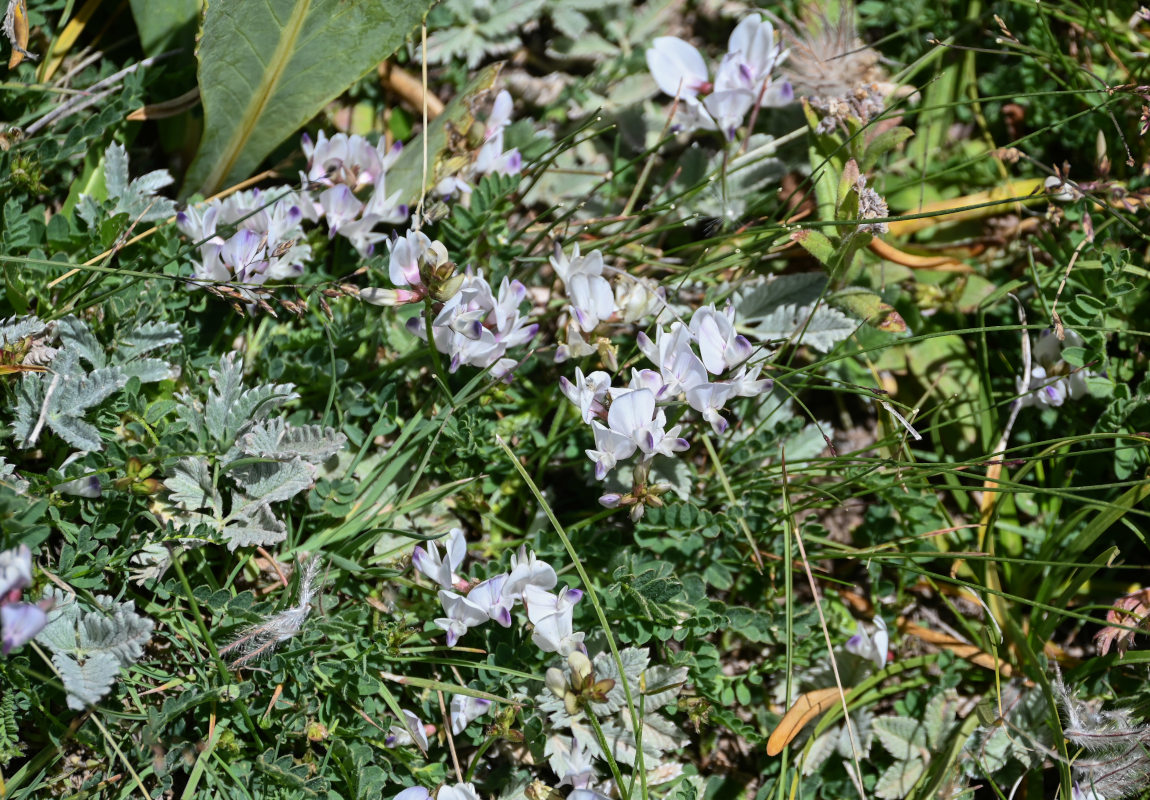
556, 682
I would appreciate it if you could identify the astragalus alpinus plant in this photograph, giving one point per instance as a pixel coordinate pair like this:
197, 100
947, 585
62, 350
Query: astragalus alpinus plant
636, 401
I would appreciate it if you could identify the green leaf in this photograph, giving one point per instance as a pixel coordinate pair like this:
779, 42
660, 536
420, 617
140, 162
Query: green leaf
899, 778
904, 738
268, 66
161, 23
815, 243
883, 144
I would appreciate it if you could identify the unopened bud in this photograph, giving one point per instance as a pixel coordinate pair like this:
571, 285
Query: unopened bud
556, 682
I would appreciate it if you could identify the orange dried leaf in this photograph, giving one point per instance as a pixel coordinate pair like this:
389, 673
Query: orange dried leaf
965, 650
806, 708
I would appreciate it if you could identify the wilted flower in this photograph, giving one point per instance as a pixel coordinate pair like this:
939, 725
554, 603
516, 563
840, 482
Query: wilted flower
261, 639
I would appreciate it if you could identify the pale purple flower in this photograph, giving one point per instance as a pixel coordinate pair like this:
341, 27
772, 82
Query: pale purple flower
589, 292
578, 767
460, 791
552, 617
343, 159
465, 710
19, 624
753, 44
709, 399
633, 422
678, 68
476, 327
461, 616
721, 347
727, 108
15, 572
340, 207
410, 731
873, 648
441, 569
745, 381
86, 486
489, 598
1051, 382
671, 352
413, 793
587, 393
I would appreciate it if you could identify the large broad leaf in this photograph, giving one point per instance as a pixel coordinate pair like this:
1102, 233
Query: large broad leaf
268, 66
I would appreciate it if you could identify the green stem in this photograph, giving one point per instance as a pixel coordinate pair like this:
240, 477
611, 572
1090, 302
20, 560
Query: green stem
591, 594
618, 776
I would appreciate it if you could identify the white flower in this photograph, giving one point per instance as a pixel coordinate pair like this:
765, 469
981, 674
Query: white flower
745, 382
1051, 381
720, 346
460, 791
413, 793
552, 617
461, 616
19, 624
727, 108
465, 709
15, 570
678, 68
576, 764
527, 570
708, 399
589, 292
753, 44
633, 422
874, 648
490, 598
671, 353
411, 730
441, 570
476, 327
587, 393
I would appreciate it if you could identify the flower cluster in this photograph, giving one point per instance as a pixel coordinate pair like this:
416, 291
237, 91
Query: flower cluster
635, 417
1051, 381
742, 81
19, 622
346, 165
476, 326
250, 237
528, 582
592, 300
